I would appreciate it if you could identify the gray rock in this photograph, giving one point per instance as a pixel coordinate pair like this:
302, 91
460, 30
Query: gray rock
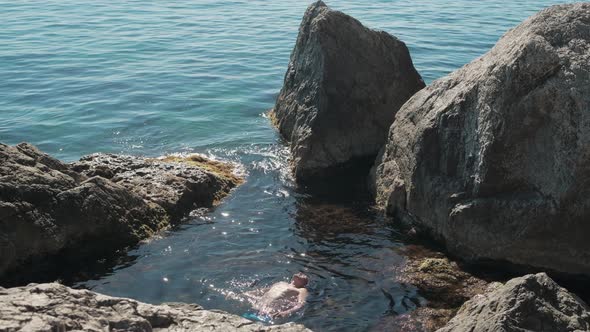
54, 307
494, 159
442, 282
98, 205
46, 207
178, 184
531, 303
342, 89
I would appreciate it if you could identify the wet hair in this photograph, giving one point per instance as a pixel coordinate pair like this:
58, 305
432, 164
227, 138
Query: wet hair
302, 277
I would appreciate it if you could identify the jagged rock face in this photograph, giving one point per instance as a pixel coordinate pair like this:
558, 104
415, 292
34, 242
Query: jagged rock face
530, 303
98, 205
494, 159
178, 184
53, 307
46, 207
342, 89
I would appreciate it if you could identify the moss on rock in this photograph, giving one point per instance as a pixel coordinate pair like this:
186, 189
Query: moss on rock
222, 169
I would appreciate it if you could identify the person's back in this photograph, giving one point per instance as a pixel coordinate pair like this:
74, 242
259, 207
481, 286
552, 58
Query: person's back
282, 299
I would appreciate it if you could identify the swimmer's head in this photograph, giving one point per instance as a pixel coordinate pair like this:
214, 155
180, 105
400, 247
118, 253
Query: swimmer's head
300, 280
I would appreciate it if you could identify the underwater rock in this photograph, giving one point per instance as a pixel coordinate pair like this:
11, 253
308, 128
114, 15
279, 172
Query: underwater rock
341, 92
443, 283
54, 307
529, 303
494, 159
178, 184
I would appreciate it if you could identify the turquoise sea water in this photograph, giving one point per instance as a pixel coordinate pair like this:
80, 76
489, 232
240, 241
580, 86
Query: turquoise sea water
158, 77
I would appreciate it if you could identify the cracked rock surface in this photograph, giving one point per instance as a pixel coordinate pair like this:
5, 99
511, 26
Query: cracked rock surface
103, 203
342, 89
46, 207
54, 307
494, 159
530, 303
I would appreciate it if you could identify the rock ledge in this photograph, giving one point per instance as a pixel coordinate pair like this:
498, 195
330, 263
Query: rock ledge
54, 307
494, 158
96, 206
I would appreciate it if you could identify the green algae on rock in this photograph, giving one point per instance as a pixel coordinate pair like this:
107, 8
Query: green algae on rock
443, 283
222, 169
492, 160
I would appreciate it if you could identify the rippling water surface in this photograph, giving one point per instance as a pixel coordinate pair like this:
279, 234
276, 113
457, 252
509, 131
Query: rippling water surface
157, 77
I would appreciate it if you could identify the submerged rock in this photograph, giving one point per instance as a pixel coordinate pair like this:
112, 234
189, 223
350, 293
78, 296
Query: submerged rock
342, 90
54, 307
444, 285
530, 303
178, 184
96, 206
494, 158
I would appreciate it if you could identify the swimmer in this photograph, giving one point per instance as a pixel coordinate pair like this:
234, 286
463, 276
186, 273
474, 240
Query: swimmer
282, 299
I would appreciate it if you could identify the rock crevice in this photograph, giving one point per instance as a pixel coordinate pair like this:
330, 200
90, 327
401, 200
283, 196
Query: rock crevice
493, 159
96, 206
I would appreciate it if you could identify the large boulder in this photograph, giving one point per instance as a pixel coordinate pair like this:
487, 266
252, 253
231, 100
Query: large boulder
530, 303
49, 209
54, 307
342, 89
494, 159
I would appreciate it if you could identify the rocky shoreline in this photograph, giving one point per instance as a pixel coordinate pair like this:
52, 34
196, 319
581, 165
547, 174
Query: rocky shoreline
491, 161
53, 211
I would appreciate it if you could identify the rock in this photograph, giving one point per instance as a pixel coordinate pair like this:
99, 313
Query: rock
45, 207
342, 89
443, 283
494, 159
178, 184
54, 307
530, 303
98, 205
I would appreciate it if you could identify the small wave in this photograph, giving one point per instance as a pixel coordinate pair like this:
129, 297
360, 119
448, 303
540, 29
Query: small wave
238, 168
273, 158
